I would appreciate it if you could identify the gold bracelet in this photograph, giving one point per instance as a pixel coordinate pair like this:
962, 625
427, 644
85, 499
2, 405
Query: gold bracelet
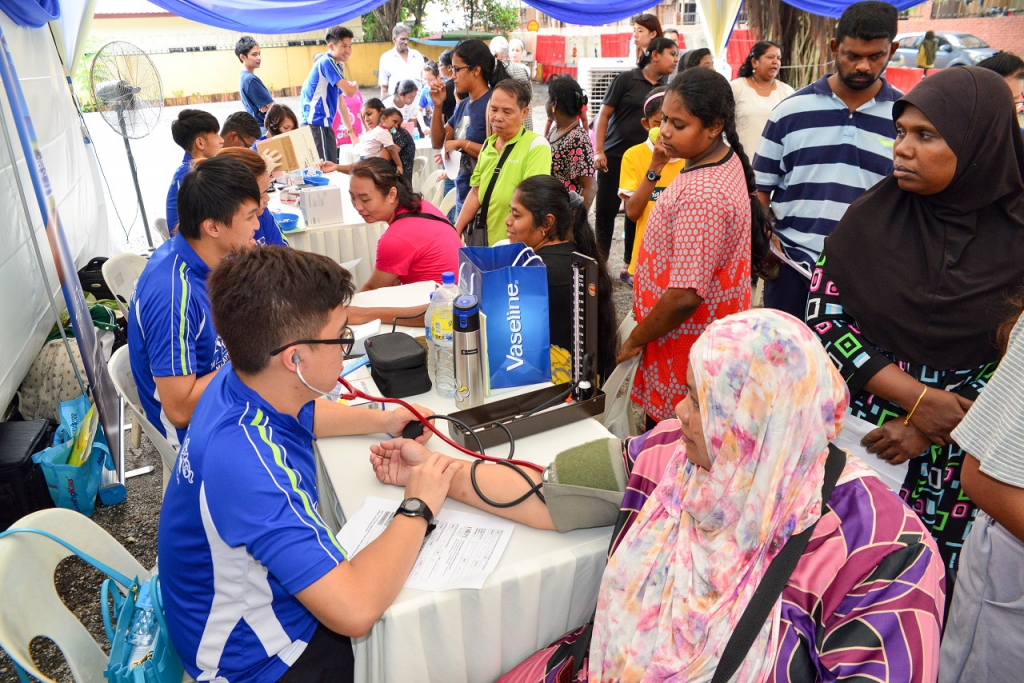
906, 422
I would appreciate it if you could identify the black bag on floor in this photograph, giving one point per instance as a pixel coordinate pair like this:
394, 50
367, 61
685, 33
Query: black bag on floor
22, 486
91, 277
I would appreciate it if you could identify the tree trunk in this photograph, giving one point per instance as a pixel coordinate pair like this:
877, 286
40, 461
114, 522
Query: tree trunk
804, 38
386, 16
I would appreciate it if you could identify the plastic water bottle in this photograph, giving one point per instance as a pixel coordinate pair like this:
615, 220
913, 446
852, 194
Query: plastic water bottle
142, 630
429, 338
439, 313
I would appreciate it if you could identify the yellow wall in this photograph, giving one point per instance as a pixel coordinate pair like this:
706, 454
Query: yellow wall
208, 73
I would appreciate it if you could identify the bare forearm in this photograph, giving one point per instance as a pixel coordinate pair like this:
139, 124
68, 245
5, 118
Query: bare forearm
601, 128
765, 199
357, 315
354, 595
673, 309
637, 202
334, 419
469, 209
502, 485
895, 386
1003, 502
437, 132
589, 191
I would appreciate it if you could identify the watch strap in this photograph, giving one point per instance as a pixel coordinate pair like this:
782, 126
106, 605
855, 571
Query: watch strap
415, 507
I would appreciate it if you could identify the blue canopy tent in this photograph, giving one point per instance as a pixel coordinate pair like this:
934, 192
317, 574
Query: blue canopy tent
295, 16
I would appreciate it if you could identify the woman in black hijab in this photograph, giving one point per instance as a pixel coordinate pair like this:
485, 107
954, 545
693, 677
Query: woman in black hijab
916, 279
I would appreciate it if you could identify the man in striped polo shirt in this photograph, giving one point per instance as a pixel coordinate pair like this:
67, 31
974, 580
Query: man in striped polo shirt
826, 144
173, 348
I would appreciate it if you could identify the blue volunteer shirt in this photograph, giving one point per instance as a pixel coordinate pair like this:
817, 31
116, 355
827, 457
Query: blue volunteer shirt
320, 92
254, 95
816, 157
170, 326
240, 535
469, 122
269, 232
172, 192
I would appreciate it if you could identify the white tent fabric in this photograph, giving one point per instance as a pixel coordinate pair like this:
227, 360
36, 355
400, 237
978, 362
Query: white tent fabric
717, 20
25, 315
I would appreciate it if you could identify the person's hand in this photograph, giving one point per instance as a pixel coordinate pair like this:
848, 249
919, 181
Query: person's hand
452, 146
600, 161
438, 93
272, 159
896, 443
328, 166
659, 159
938, 413
396, 420
392, 460
439, 160
430, 481
628, 350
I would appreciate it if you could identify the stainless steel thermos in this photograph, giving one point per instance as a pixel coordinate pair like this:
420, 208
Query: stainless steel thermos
469, 361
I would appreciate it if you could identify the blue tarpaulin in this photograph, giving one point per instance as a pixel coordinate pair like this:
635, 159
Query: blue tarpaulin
296, 16
31, 13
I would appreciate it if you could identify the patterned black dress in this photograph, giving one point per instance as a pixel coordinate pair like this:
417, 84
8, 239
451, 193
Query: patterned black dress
932, 487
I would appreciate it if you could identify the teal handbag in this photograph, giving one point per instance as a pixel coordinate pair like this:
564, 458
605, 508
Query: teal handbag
161, 663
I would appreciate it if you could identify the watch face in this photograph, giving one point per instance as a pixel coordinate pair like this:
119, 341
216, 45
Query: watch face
412, 505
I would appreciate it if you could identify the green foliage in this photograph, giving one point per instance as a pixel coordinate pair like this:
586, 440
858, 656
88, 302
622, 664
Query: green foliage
80, 77
493, 16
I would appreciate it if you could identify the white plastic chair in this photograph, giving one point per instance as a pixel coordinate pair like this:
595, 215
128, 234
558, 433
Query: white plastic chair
418, 166
448, 203
433, 187
31, 606
161, 227
121, 272
120, 370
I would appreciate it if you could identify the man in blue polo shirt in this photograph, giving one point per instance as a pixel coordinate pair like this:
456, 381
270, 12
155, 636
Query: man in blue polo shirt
173, 346
321, 96
255, 584
254, 95
826, 144
198, 133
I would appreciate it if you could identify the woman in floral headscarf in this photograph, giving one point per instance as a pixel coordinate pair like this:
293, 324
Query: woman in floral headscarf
712, 499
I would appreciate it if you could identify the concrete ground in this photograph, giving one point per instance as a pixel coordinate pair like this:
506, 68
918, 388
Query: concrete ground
134, 522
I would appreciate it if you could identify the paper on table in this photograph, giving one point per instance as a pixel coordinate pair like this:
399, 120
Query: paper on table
461, 552
854, 429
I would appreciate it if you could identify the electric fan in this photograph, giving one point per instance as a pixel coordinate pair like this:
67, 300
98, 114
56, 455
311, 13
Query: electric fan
126, 89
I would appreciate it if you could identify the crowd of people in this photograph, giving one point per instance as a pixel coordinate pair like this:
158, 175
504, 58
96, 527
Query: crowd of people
888, 229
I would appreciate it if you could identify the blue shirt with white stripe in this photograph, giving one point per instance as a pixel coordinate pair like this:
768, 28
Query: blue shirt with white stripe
269, 232
320, 92
170, 327
171, 208
240, 535
816, 157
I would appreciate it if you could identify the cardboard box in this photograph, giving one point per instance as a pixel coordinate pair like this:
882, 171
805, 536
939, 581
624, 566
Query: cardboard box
321, 205
296, 148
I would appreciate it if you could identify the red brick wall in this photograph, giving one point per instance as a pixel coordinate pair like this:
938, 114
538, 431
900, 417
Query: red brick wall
1004, 33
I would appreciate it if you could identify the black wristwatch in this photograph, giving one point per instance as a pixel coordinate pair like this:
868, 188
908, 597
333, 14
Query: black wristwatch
414, 507
653, 177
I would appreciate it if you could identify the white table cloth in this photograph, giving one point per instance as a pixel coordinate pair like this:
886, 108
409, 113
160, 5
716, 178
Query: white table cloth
349, 154
545, 584
344, 241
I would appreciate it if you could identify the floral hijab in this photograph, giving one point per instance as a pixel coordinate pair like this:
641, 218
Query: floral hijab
672, 593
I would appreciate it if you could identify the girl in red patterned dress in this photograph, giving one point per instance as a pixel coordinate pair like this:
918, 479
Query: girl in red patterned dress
705, 234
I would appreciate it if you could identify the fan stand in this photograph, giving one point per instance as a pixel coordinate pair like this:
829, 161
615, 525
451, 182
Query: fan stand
135, 173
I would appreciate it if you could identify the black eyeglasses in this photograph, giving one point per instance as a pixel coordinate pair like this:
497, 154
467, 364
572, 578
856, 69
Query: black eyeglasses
457, 69
347, 340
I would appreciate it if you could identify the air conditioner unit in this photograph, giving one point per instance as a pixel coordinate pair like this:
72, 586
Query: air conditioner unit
595, 75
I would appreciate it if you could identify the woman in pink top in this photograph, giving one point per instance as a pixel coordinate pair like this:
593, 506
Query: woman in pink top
419, 244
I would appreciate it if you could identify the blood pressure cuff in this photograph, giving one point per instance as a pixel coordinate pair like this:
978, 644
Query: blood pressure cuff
585, 484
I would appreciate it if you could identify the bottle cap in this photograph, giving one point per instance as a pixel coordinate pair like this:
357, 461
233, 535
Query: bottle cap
448, 278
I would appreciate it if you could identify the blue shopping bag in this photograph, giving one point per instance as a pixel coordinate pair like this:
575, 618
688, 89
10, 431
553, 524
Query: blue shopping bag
74, 486
512, 285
